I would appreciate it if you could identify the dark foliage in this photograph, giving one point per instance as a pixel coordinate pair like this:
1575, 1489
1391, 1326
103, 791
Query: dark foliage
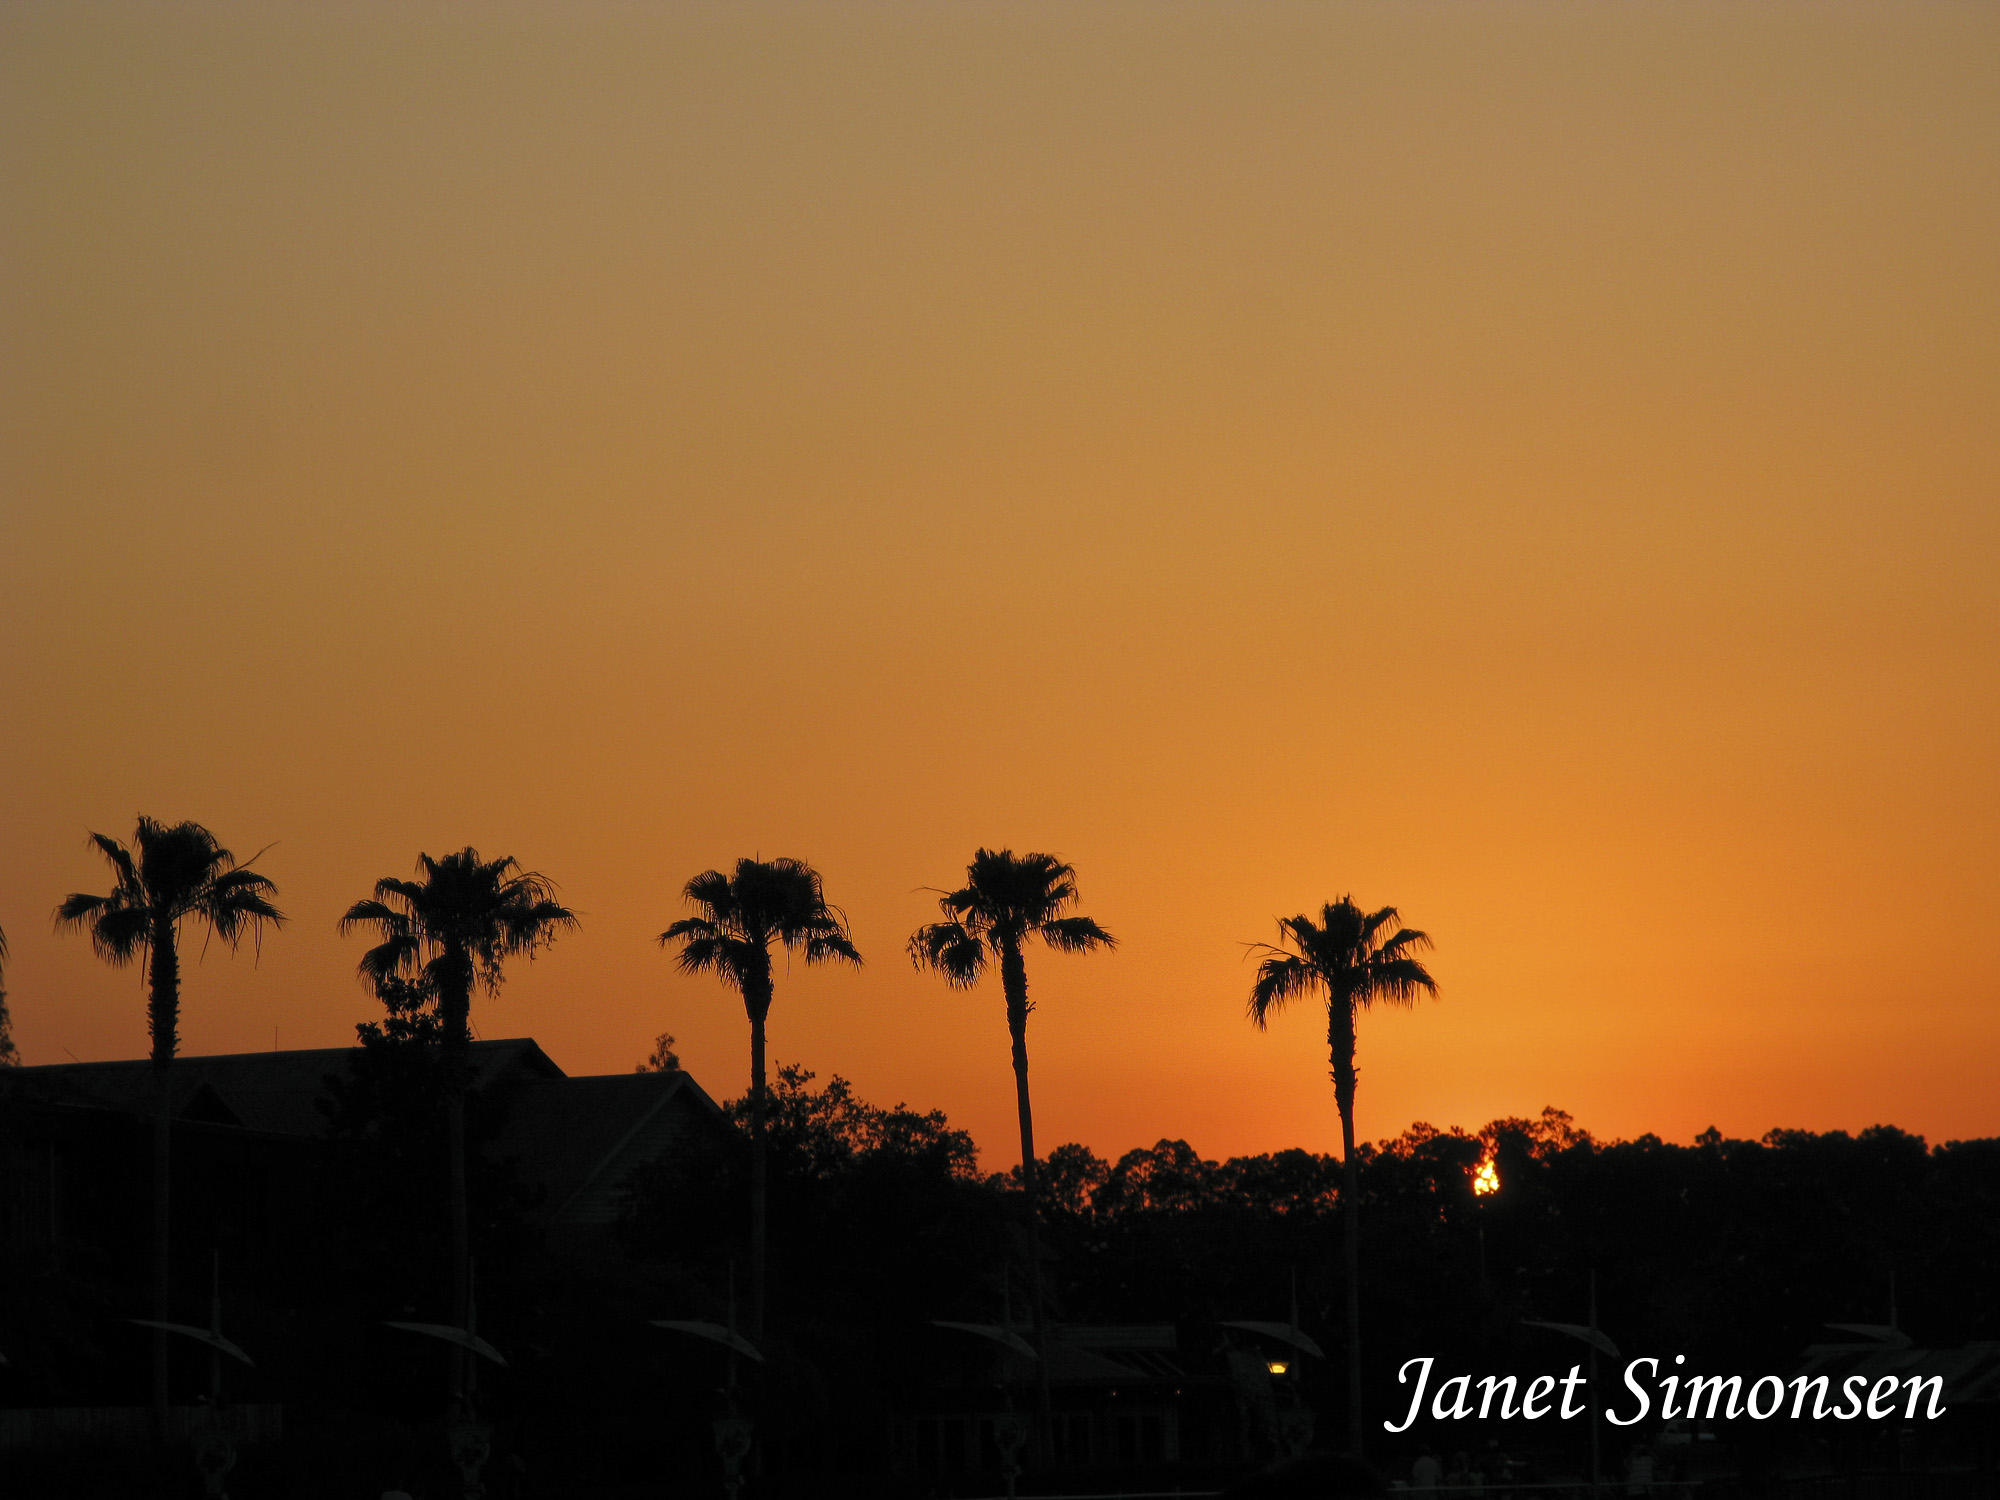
879, 1222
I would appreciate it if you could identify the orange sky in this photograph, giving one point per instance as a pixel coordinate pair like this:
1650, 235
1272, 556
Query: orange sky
1534, 465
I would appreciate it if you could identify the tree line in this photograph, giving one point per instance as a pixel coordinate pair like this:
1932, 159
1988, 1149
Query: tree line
881, 1210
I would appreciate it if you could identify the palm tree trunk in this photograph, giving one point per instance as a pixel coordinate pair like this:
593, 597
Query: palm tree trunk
1340, 1043
163, 1014
759, 1169
457, 1005
1014, 981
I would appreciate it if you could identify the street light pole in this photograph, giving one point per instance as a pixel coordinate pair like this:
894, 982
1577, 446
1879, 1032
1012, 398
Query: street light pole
1594, 1337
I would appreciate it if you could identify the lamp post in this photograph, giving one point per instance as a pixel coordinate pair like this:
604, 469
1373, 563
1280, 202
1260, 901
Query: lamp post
1010, 1429
1593, 1336
214, 1441
1295, 1422
468, 1443
734, 1432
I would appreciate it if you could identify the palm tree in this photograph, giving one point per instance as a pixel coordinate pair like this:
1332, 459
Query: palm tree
167, 875
449, 931
1353, 959
777, 901
1005, 900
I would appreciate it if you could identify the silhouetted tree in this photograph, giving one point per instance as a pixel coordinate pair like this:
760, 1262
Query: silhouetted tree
663, 1059
880, 1224
449, 931
1006, 900
741, 915
168, 874
9, 1056
1352, 959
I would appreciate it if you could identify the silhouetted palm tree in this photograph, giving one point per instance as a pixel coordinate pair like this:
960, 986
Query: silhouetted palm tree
780, 901
168, 874
1006, 900
1353, 959
451, 930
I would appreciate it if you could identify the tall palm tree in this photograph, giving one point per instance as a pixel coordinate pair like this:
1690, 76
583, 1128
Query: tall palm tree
777, 901
167, 875
1352, 959
1006, 900
451, 930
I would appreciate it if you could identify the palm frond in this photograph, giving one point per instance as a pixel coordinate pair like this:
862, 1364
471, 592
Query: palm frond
1373, 922
1075, 935
952, 949
243, 879
1281, 977
687, 927
375, 913
120, 859
76, 910
1397, 982
824, 946
234, 907
121, 933
710, 891
1399, 945
411, 893
724, 954
396, 955
534, 925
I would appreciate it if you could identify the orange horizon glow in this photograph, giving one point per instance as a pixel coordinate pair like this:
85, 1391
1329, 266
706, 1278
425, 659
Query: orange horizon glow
1534, 467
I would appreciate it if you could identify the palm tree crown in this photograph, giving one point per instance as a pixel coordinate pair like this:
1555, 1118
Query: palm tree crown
453, 928
777, 901
167, 874
1004, 900
1353, 958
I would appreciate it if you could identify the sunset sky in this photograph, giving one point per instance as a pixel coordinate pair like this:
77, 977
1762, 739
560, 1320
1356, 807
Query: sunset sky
1536, 465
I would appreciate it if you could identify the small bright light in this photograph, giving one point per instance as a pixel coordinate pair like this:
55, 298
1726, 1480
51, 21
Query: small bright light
1277, 1367
1486, 1177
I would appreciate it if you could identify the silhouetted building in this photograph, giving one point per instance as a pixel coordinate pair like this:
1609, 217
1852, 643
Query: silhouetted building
574, 1140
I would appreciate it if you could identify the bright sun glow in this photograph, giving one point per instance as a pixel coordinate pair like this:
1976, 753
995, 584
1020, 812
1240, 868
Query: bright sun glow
1485, 1178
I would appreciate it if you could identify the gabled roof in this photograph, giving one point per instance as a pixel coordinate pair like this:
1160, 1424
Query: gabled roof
276, 1092
579, 1138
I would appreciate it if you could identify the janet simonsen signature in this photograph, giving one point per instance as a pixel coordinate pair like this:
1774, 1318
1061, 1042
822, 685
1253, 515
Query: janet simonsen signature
1808, 1398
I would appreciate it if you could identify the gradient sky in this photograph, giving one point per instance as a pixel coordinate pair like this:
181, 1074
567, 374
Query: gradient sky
1535, 465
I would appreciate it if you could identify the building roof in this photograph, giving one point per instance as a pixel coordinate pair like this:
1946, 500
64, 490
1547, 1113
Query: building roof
275, 1092
576, 1139
580, 1138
